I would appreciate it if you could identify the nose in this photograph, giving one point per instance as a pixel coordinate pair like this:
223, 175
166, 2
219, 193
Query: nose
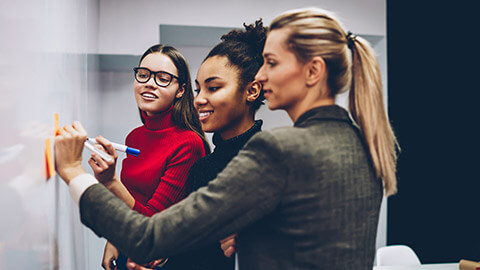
260, 76
199, 100
151, 82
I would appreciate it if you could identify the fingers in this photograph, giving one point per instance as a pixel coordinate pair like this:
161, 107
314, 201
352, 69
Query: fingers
79, 128
99, 163
96, 167
228, 238
107, 146
109, 264
228, 245
229, 252
75, 130
133, 266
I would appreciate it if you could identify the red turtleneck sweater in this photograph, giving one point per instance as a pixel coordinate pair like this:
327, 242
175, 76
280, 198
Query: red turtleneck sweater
156, 178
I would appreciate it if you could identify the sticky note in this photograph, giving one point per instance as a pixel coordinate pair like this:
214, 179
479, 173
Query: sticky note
56, 125
49, 163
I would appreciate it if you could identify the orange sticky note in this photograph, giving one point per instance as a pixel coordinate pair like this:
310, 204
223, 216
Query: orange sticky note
56, 126
49, 163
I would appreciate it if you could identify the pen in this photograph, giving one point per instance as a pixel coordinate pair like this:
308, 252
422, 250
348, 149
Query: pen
119, 147
99, 152
113, 264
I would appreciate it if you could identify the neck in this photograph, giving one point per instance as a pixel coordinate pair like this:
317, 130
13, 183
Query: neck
238, 129
305, 106
158, 121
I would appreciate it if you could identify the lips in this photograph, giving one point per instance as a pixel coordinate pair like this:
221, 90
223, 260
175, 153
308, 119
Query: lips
149, 95
204, 115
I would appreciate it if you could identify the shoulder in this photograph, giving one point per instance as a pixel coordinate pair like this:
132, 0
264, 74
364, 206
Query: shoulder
276, 136
188, 137
268, 142
187, 141
135, 132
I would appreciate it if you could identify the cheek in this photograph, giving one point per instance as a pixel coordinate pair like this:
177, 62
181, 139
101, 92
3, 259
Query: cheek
137, 87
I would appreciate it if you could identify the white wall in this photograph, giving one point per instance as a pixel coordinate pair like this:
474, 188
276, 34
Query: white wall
129, 27
43, 70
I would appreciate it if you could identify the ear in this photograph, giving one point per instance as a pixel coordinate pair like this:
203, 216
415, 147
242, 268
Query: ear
316, 70
180, 91
253, 91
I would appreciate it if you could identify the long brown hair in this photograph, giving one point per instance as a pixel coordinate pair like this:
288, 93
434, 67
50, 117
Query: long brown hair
184, 113
351, 64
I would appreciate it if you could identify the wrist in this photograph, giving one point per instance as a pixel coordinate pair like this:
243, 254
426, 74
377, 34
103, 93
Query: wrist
111, 183
69, 173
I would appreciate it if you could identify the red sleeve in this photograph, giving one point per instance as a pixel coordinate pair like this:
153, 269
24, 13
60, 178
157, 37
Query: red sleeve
171, 188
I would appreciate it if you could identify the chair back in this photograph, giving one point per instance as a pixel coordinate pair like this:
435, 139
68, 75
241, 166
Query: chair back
396, 255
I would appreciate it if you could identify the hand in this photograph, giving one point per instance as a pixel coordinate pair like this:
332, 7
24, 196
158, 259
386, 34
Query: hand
104, 170
133, 266
228, 245
68, 151
110, 254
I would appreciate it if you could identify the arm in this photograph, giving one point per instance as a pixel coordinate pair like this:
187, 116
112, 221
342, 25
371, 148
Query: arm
249, 188
105, 171
172, 187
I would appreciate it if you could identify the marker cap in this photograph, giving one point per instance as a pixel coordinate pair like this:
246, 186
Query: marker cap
132, 151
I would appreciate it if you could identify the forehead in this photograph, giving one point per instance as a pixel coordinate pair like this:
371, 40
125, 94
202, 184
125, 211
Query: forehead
159, 62
276, 41
217, 66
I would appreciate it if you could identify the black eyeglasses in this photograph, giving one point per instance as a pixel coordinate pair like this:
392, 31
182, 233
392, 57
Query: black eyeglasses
161, 78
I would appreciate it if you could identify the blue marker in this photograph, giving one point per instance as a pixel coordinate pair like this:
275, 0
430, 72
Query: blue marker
119, 147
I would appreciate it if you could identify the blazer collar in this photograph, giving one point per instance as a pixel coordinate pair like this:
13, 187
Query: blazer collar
331, 112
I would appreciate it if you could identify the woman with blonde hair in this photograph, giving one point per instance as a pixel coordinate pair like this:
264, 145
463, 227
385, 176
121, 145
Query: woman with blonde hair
300, 197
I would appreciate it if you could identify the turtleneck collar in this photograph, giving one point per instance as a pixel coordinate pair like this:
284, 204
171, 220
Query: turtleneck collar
158, 121
237, 141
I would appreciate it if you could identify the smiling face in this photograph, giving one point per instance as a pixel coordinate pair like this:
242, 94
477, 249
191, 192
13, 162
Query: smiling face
151, 98
282, 75
221, 105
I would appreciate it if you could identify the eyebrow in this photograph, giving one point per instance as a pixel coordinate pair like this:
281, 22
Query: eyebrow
209, 79
267, 54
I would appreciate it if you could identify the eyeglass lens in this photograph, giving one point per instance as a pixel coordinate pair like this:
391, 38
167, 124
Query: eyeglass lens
161, 78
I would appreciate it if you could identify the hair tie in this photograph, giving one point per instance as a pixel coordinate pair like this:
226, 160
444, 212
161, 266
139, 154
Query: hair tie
350, 39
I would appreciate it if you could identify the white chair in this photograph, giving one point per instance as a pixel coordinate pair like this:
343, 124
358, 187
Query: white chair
396, 255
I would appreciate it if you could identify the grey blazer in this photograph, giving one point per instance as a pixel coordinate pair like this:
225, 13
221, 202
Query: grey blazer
301, 197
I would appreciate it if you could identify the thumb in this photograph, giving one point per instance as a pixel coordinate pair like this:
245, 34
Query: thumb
131, 265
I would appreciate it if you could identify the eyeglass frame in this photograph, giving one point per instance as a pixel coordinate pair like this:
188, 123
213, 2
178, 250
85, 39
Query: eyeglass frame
135, 69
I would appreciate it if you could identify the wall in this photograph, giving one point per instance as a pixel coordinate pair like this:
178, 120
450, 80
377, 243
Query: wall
435, 115
129, 27
43, 70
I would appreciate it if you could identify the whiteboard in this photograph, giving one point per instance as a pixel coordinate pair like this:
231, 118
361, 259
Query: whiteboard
43, 70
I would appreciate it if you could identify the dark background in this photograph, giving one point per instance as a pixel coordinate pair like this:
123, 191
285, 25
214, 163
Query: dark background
432, 101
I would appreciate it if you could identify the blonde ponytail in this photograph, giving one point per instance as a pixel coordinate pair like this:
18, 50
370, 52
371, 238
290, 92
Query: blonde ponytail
368, 110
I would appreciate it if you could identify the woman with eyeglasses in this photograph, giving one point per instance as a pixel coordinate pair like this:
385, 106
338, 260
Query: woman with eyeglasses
170, 140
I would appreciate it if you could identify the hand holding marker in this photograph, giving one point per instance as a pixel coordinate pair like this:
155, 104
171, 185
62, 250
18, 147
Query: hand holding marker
103, 155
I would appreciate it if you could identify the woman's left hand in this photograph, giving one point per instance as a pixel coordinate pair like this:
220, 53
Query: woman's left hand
228, 245
104, 170
133, 266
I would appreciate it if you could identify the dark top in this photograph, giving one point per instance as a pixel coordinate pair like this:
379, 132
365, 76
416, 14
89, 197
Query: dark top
301, 197
202, 172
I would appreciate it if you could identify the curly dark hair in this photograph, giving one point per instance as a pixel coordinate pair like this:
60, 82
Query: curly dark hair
243, 48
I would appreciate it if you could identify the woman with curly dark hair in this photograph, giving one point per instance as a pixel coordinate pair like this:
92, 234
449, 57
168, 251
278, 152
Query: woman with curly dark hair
227, 98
